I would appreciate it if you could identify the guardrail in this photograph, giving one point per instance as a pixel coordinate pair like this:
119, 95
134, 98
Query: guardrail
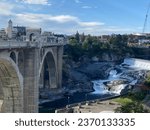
21, 44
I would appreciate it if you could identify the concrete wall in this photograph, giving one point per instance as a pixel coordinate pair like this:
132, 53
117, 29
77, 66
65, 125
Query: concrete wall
10, 86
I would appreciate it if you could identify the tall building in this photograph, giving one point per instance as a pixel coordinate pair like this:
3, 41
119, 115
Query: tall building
10, 29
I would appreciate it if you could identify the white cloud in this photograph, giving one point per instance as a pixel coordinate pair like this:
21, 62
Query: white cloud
86, 7
35, 18
36, 2
30, 18
77, 1
90, 24
6, 8
63, 18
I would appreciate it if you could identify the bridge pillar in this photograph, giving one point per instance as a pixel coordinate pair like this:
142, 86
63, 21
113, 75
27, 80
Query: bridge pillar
59, 65
31, 90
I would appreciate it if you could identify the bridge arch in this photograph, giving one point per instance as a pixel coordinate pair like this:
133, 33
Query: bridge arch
48, 71
11, 87
13, 56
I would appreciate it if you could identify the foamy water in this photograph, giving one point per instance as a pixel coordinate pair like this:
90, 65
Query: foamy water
135, 64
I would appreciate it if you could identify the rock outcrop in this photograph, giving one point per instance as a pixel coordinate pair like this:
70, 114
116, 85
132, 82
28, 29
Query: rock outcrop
78, 76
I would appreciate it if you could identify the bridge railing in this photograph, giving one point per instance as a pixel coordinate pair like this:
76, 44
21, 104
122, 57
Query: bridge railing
12, 44
24, 44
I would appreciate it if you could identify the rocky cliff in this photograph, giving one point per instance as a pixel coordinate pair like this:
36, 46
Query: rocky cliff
77, 76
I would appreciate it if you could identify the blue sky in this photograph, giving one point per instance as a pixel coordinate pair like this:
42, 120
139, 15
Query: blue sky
95, 17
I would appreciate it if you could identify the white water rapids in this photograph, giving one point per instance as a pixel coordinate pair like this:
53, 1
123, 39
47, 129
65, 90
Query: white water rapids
131, 70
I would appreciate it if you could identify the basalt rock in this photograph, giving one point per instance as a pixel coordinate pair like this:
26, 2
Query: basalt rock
98, 70
79, 78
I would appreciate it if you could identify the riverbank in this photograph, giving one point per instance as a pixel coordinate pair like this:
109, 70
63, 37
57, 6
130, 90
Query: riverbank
132, 102
108, 106
92, 106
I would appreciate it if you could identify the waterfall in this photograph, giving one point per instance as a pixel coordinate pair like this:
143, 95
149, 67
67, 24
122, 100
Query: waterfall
112, 74
137, 63
102, 86
99, 88
119, 88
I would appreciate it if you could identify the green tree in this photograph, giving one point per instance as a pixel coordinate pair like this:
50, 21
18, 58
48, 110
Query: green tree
132, 103
74, 51
118, 43
73, 41
87, 44
147, 81
82, 38
77, 37
132, 107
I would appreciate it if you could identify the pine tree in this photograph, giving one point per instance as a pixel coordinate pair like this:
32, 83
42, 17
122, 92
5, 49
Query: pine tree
77, 37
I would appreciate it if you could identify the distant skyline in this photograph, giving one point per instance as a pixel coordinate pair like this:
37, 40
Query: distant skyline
95, 17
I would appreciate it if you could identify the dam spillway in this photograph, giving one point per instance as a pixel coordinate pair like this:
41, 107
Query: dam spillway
137, 63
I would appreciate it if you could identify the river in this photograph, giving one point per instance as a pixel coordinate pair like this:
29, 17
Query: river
122, 78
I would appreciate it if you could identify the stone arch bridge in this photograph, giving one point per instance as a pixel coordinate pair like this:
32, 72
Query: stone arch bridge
23, 66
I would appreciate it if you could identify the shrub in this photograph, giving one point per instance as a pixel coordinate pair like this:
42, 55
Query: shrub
132, 107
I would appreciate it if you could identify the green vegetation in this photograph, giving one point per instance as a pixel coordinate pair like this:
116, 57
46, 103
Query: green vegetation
131, 97
147, 81
132, 103
74, 52
90, 46
123, 101
133, 107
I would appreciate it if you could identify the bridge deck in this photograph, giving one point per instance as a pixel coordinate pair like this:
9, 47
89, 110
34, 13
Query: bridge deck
21, 44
